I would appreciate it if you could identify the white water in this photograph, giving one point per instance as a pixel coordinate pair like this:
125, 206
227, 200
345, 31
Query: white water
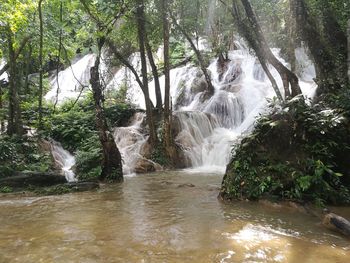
209, 127
64, 159
4, 76
130, 141
71, 80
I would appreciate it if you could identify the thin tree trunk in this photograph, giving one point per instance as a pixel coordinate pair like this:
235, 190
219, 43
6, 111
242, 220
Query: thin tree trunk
27, 70
141, 31
59, 56
288, 77
41, 71
2, 123
168, 139
14, 120
210, 88
112, 161
349, 50
328, 71
247, 33
155, 76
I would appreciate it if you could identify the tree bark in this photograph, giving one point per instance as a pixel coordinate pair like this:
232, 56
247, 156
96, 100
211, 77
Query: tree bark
2, 123
349, 50
112, 161
41, 71
155, 74
168, 138
140, 16
14, 120
248, 34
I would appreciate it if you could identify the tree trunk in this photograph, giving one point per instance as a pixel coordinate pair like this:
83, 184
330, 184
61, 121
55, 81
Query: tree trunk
41, 64
349, 50
168, 139
141, 36
2, 123
210, 89
154, 68
14, 121
288, 77
112, 161
329, 73
247, 33
27, 70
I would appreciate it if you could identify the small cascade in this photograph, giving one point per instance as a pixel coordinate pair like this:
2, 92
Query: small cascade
4, 75
130, 141
71, 81
65, 161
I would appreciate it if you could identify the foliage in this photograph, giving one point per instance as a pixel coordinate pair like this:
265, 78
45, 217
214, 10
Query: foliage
299, 153
89, 159
19, 154
6, 189
74, 127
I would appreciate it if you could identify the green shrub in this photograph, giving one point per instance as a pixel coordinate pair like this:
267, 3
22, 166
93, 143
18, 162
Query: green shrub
300, 153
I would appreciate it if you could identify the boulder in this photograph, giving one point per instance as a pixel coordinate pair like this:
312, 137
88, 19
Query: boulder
146, 166
336, 223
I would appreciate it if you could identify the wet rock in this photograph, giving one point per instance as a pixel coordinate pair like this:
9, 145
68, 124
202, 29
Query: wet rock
146, 166
27, 179
336, 223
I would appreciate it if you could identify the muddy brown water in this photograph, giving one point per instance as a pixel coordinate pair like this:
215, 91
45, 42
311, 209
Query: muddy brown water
163, 217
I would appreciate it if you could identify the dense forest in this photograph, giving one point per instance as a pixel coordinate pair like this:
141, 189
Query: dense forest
298, 150
162, 104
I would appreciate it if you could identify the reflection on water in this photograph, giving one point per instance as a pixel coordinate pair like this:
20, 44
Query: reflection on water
160, 218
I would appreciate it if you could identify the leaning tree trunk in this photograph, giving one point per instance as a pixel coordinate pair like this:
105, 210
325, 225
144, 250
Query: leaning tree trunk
112, 161
288, 77
248, 34
202, 64
153, 140
155, 76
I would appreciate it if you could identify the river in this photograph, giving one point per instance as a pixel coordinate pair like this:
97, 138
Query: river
161, 217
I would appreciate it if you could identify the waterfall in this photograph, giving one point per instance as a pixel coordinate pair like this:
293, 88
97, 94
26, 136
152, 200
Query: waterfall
71, 81
208, 125
4, 75
130, 141
64, 159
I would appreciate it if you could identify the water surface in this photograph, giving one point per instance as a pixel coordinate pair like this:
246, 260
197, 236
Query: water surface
164, 217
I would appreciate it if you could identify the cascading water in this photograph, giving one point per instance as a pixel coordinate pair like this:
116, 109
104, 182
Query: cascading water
209, 126
64, 159
130, 141
4, 75
71, 81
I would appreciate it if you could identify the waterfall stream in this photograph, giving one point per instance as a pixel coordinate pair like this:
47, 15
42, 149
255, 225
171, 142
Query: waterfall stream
209, 126
65, 161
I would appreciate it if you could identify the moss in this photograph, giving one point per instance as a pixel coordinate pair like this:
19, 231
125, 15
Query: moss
300, 153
